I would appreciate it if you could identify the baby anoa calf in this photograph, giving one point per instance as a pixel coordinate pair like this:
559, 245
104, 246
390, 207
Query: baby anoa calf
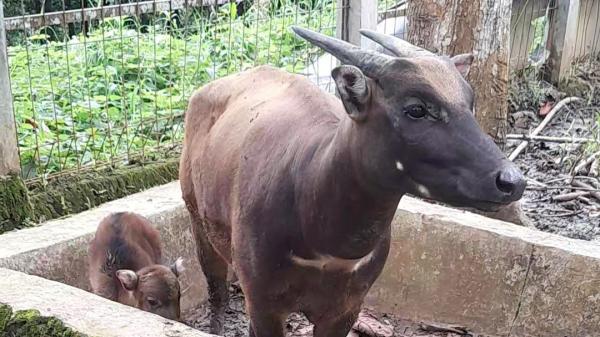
125, 266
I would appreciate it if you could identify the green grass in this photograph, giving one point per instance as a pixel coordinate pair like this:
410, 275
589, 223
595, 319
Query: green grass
122, 89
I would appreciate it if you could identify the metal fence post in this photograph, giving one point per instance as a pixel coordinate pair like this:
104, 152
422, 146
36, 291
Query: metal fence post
9, 152
353, 15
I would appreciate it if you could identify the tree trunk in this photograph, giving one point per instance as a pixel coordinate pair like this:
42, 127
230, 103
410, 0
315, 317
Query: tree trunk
480, 27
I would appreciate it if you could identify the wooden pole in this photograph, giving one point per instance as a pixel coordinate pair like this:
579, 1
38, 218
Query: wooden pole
562, 37
354, 15
9, 152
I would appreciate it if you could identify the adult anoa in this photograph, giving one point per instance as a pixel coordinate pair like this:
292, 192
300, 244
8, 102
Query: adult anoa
296, 188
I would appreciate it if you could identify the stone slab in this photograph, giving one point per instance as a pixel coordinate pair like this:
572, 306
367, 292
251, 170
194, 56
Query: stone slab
83, 311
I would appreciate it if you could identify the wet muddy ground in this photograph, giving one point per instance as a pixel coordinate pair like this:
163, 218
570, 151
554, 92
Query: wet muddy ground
551, 165
297, 325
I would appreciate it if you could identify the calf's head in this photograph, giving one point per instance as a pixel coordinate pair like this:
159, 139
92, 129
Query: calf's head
155, 288
417, 109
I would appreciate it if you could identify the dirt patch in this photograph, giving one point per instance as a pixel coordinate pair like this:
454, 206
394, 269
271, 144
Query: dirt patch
236, 322
550, 164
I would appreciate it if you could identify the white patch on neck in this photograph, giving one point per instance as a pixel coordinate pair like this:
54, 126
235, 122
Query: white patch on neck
424, 191
399, 166
332, 263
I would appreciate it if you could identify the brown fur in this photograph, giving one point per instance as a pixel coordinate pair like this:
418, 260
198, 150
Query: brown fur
297, 191
127, 243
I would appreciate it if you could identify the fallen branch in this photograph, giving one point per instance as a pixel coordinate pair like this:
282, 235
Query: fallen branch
560, 215
438, 327
584, 185
551, 139
562, 188
570, 196
535, 182
594, 168
543, 124
584, 163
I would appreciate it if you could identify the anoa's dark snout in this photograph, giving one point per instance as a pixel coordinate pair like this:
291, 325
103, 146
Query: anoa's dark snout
510, 183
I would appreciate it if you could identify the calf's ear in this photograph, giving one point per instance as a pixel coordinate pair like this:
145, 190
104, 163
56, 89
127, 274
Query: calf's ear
128, 279
353, 88
177, 267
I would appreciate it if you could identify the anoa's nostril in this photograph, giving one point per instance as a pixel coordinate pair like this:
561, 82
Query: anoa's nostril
510, 181
504, 185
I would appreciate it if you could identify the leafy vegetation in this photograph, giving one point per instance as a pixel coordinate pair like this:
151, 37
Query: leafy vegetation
121, 89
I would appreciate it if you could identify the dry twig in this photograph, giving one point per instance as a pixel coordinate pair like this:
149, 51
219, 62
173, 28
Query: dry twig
560, 215
584, 163
570, 196
572, 140
594, 168
439, 327
543, 124
562, 188
584, 185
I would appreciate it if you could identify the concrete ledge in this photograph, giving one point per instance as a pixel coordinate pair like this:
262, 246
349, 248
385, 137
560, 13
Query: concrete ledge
57, 250
445, 265
85, 312
456, 267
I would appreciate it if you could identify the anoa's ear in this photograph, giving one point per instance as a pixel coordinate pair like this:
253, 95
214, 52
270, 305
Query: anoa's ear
353, 88
128, 279
463, 63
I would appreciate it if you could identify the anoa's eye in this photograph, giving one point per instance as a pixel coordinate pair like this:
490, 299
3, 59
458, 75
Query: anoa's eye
416, 111
152, 301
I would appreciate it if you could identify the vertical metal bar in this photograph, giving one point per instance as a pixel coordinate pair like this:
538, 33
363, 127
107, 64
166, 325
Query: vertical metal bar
54, 110
9, 151
246, 4
155, 68
257, 4
92, 137
124, 102
73, 143
106, 87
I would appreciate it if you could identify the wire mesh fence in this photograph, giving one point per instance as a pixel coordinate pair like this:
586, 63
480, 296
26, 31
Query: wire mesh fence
107, 83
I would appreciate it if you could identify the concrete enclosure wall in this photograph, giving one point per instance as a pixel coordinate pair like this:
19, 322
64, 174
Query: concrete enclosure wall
57, 250
493, 277
444, 266
84, 312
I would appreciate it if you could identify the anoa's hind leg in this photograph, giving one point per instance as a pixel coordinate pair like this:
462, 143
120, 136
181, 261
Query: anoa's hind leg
215, 269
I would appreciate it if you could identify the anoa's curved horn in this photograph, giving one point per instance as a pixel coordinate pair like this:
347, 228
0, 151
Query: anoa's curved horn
395, 45
369, 62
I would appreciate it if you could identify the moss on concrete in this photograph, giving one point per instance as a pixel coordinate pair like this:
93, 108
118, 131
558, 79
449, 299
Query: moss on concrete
5, 315
29, 323
15, 209
79, 192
